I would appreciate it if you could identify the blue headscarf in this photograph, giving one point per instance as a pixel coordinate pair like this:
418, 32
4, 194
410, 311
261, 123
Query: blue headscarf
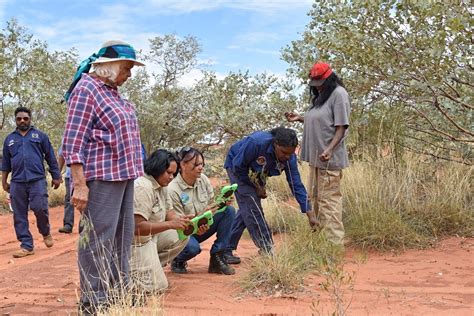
109, 53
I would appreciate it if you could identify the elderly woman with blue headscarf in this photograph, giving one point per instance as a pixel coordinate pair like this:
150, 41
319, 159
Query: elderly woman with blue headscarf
101, 144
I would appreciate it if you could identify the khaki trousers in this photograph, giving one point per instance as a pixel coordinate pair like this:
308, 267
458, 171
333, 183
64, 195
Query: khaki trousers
326, 198
148, 260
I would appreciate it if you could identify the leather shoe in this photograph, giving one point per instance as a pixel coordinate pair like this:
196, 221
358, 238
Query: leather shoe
231, 259
217, 264
23, 253
48, 241
179, 267
65, 230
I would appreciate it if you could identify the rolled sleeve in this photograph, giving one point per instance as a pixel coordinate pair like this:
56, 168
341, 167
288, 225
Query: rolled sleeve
78, 127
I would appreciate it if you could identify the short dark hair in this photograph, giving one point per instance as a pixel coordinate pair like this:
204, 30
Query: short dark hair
285, 137
23, 109
159, 161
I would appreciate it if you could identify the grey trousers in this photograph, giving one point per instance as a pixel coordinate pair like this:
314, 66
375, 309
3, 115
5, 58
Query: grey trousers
104, 261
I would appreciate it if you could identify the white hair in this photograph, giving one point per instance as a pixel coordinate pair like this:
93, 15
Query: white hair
109, 70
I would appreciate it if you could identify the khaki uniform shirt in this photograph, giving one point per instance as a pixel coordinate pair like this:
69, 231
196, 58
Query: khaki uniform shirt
151, 201
190, 200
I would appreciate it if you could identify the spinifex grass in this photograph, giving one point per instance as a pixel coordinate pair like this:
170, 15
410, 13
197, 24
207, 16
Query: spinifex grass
406, 205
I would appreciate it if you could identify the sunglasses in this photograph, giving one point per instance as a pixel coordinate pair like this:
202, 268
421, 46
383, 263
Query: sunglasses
19, 119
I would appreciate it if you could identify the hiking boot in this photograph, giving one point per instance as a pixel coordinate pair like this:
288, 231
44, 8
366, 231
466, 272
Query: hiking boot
179, 266
23, 253
65, 230
48, 241
217, 264
231, 259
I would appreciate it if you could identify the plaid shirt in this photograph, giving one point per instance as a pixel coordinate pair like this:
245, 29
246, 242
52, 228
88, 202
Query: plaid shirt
102, 133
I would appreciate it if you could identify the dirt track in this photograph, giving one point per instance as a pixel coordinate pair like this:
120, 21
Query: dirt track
437, 281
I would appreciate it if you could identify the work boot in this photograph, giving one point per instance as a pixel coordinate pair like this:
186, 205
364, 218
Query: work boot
217, 264
231, 259
65, 230
48, 241
23, 253
179, 266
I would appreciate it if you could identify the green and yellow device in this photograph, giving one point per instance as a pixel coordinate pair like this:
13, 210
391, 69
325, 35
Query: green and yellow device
225, 195
203, 219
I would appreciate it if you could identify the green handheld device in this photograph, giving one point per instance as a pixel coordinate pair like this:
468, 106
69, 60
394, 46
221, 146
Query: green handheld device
226, 193
203, 219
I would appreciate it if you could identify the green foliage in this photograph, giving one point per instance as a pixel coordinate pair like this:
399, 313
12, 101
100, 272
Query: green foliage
407, 66
34, 77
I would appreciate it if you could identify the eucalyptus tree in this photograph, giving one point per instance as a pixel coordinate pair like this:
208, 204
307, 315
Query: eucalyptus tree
407, 65
34, 77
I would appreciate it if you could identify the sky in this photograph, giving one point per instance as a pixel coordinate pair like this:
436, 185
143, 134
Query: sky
235, 35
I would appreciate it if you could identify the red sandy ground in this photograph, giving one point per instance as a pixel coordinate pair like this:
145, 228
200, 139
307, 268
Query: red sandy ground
437, 281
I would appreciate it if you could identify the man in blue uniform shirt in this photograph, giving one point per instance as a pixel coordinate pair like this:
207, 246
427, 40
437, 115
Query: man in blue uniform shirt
24, 152
249, 163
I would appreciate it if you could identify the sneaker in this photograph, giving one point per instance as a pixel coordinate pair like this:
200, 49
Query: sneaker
179, 267
48, 241
231, 259
23, 253
65, 230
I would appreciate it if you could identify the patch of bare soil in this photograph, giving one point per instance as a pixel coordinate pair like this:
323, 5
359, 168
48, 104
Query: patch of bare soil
437, 281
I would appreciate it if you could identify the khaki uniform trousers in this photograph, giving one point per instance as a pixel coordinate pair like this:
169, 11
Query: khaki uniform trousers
148, 260
326, 197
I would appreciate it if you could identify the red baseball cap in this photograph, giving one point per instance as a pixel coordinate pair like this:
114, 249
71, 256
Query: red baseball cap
319, 73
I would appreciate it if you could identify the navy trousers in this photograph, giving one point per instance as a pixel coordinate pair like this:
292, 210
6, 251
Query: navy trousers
250, 216
26, 195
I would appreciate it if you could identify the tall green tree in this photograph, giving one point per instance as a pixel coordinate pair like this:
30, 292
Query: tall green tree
407, 65
33, 77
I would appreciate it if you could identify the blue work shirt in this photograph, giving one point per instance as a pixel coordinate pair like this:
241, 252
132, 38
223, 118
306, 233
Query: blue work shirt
254, 157
24, 156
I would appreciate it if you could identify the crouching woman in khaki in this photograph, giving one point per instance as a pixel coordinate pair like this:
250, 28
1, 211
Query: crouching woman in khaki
156, 241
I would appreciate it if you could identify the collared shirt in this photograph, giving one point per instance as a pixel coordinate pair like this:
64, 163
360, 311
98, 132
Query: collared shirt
24, 156
151, 201
102, 133
191, 199
253, 159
